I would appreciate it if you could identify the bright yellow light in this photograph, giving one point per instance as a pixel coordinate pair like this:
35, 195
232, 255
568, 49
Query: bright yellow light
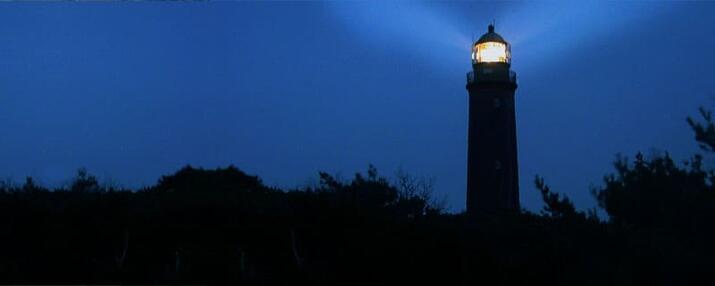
490, 52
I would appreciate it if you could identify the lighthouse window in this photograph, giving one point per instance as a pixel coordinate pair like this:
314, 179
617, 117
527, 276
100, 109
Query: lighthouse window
497, 165
491, 52
497, 103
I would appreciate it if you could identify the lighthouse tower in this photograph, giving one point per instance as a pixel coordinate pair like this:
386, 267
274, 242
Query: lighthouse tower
492, 172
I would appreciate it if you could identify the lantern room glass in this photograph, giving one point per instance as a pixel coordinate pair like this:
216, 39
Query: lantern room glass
491, 52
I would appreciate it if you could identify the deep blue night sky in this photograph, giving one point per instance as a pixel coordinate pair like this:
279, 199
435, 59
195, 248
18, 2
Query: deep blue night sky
133, 91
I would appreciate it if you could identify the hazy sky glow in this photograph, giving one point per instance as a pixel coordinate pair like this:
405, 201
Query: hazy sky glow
132, 91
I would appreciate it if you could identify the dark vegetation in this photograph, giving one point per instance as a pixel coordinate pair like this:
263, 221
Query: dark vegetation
224, 226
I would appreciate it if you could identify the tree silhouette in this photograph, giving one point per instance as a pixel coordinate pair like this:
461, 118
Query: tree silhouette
704, 131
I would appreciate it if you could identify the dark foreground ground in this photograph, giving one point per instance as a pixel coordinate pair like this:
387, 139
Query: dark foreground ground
223, 226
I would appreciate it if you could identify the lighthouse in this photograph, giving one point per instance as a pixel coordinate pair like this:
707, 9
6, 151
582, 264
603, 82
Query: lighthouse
492, 169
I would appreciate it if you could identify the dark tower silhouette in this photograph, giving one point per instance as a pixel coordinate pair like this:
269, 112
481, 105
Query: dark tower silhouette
492, 173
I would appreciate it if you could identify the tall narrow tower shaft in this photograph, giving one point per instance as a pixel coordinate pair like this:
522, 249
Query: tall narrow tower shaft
492, 170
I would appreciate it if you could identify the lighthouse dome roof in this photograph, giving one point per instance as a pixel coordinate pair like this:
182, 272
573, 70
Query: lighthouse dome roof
490, 36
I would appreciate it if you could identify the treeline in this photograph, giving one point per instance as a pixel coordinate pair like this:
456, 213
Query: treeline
224, 226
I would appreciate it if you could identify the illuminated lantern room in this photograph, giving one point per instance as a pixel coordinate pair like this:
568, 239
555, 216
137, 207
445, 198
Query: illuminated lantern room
491, 59
491, 48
